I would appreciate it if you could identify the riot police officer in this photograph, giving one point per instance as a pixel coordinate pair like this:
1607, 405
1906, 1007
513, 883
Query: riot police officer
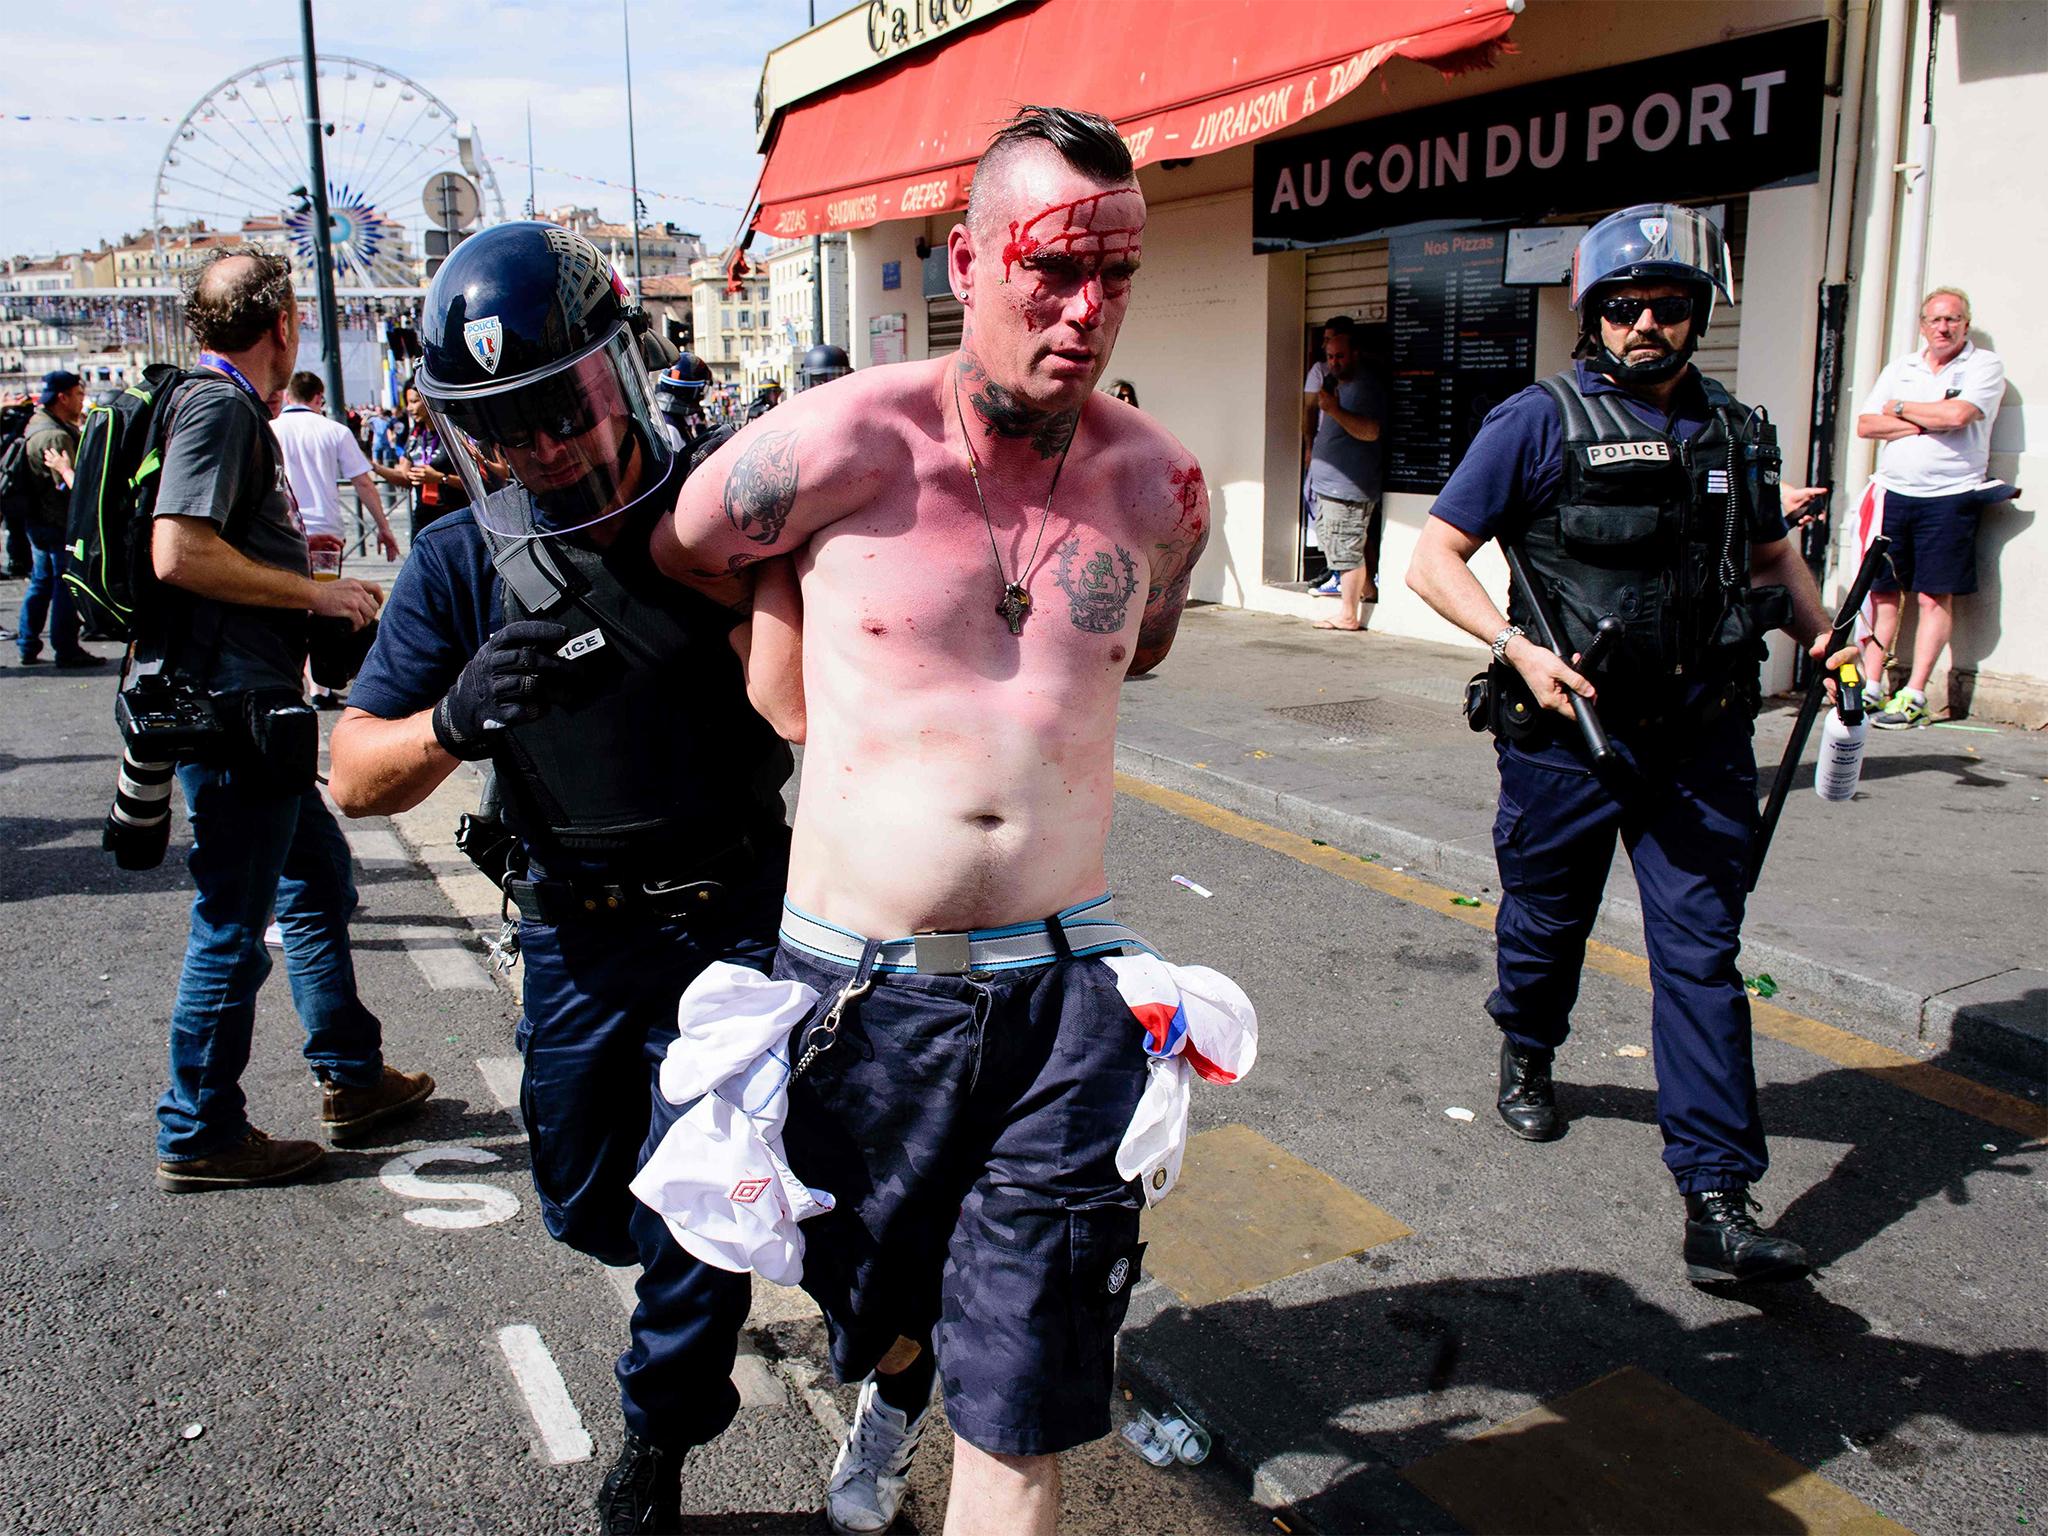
1642, 501
679, 393
533, 631
821, 365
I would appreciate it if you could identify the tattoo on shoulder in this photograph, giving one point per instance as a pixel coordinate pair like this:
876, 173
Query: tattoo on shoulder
1006, 416
1098, 588
762, 487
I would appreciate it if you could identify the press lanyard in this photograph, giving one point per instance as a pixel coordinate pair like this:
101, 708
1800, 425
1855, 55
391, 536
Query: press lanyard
220, 364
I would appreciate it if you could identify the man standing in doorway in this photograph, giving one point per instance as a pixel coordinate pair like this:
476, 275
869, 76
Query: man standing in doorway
1931, 413
1344, 473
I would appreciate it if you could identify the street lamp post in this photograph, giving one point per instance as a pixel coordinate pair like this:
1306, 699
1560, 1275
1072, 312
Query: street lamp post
632, 156
323, 253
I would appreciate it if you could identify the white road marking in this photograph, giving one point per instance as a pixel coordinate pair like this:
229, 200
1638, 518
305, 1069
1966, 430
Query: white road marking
623, 1278
376, 848
562, 1435
444, 958
752, 1373
759, 1386
501, 1076
804, 1376
491, 1204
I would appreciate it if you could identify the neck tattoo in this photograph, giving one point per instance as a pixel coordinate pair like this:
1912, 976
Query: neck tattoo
1015, 605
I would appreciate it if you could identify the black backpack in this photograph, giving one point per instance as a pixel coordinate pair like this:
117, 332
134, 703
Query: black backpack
113, 493
17, 490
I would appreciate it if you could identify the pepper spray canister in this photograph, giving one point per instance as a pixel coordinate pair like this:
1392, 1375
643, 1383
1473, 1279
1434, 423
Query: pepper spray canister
1842, 737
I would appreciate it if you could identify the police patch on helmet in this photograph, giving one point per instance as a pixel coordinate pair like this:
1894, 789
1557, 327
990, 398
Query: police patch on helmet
485, 339
1654, 230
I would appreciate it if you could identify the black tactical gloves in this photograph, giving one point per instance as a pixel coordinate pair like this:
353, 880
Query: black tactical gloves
506, 683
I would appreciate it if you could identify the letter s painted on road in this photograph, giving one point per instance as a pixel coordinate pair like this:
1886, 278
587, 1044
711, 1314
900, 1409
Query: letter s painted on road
491, 1205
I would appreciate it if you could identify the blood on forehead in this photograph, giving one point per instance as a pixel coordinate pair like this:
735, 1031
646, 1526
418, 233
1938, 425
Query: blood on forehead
1074, 229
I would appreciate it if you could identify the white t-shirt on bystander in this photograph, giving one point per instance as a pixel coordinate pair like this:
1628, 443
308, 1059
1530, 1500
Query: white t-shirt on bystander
1938, 463
319, 453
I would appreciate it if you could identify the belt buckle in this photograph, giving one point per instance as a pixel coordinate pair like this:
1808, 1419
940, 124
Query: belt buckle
941, 954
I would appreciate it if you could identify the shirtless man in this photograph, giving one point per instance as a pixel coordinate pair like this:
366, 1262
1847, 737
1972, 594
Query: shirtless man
985, 548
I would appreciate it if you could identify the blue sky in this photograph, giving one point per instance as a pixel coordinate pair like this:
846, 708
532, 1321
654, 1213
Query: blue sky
696, 64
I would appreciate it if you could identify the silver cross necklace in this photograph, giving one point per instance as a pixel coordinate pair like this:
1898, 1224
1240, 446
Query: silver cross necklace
1015, 605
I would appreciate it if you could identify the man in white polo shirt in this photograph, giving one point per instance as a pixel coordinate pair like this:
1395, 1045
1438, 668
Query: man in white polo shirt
1931, 412
320, 453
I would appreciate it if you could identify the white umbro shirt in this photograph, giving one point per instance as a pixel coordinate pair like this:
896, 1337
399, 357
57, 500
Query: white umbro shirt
319, 453
1938, 463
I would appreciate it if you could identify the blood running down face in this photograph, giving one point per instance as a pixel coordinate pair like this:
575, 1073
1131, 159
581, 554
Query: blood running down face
1047, 280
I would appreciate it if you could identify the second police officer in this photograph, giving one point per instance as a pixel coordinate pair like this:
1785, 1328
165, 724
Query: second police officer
532, 630
1637, 492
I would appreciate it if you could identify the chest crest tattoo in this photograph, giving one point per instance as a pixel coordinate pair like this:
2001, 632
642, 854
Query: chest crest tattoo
1098, 588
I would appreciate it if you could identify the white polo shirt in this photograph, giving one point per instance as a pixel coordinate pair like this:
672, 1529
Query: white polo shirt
1938, 463
319, 453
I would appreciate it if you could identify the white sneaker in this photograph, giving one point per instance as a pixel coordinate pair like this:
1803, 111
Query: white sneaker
868, 1479
273, 937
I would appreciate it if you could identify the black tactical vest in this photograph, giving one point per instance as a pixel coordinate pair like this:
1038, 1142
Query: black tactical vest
651, 756
1653, 530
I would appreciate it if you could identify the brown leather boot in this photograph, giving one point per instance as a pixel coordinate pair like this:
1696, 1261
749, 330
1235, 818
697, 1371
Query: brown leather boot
347, 1113
254, 1160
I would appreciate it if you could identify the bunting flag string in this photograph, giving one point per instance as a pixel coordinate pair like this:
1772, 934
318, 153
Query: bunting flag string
546, 170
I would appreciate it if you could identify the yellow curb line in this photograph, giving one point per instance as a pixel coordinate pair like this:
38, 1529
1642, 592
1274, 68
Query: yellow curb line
2006, 1110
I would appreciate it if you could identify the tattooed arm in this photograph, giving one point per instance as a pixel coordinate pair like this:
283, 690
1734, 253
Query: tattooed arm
1173, 566
764, 494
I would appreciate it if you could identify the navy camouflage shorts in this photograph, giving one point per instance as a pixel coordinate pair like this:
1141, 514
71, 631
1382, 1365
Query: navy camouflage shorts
968, 1129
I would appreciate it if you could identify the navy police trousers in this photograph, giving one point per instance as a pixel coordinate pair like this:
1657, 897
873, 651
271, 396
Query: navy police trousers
1687, 825
600, 1011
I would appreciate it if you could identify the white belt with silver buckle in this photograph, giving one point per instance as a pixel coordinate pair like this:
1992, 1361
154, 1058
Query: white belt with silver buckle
1089, 929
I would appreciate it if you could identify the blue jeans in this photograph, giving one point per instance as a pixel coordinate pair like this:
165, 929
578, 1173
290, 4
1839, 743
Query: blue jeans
254, 848
47, 598
599, 1017
1687, 825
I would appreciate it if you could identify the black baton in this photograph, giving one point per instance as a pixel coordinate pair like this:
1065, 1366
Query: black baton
1550, 636
1810, 706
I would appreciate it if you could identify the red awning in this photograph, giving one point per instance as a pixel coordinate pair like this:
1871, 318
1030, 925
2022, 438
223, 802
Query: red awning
1179, 78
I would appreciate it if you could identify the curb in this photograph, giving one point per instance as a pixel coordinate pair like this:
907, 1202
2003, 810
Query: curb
1919, 1022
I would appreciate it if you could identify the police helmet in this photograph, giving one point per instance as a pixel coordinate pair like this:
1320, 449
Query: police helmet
821, 365
533, 370
1651, 242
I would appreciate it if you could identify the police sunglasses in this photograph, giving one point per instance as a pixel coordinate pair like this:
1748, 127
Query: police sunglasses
556, 408
1668, 310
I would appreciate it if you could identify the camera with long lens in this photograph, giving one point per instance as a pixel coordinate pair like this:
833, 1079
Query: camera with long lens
162, 720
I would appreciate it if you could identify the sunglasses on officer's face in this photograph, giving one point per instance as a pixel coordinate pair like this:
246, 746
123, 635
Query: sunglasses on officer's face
1668, 310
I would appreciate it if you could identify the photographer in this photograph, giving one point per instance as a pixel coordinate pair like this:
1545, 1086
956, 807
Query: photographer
228, 546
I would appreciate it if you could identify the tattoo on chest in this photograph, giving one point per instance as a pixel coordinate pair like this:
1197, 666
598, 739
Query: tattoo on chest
762, 487
1002, 413
1098, 588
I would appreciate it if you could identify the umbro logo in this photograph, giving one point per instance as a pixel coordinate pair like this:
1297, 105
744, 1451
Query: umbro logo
747, 1191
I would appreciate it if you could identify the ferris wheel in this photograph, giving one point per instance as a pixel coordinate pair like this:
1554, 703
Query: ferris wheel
237, 161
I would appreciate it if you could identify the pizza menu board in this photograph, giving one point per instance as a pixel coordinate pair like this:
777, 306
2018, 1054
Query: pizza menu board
1463, 341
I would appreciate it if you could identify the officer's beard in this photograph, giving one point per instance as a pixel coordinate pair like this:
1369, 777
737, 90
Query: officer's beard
1667, 365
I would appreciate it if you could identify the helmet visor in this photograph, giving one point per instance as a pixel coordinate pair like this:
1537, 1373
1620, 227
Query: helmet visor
580, 440
1661, 241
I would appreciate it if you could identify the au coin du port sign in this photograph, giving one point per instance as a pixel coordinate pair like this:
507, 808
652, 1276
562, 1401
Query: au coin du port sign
1733, 117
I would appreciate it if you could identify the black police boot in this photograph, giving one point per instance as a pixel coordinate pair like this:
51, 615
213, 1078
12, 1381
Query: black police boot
643, 1492
1528, 1098
1725, 1246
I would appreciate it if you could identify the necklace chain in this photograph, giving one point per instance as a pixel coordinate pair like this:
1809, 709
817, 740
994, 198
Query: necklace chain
1015, 605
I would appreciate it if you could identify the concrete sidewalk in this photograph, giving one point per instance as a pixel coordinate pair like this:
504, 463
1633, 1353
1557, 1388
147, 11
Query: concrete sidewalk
1918, 905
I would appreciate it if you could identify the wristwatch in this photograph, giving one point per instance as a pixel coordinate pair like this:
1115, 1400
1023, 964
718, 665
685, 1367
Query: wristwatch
1501, 641
1899, 409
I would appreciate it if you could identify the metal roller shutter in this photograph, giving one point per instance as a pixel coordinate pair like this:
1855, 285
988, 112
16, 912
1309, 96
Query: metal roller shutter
1347, 280
944, 319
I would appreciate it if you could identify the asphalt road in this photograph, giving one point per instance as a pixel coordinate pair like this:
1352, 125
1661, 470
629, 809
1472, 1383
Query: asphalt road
345, 1366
